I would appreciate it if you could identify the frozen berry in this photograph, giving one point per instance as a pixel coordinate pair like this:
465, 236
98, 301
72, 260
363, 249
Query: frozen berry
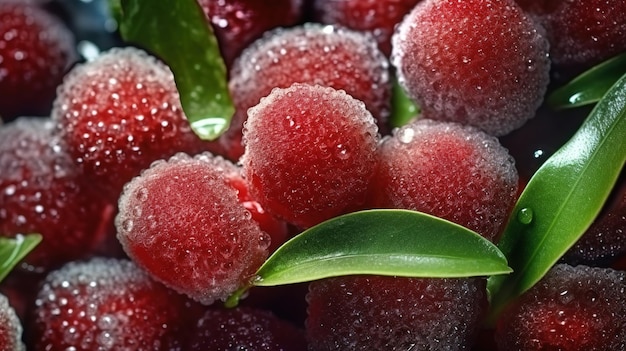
314, 54
477, 62
571, 308
389, 313
36, 49
448, 170
105, 304
119, 113
244, 328
237, 23
182, 221
42, 191
581, 33
310, 153
10, 327
378, 17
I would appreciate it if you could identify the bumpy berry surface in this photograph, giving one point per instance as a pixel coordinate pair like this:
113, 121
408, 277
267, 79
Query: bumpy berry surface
244, 328
237, 23
42, 191
183, 223
387, 313
120, 112
581, 33
378, 17
310, 153
477, 62
315, 54
10, 327
36, 49
448, 170
105, 304
571, 308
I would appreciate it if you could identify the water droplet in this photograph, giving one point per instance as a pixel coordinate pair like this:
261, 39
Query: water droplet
525, 215
127, 225
406, 135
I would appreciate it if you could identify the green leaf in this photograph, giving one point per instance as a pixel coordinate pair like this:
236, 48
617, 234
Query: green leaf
590, 86
403, 108
563, 197
178, 33
13, 250
383, 242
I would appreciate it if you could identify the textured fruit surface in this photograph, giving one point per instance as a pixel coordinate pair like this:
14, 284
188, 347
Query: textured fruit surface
314, 54
310, 153
10, 327
105, 304
387, 313
36, 49
378, 17
120, 112
448, 170
183, 223
571, 308
42, 191
237, 23
477, 62
244, 328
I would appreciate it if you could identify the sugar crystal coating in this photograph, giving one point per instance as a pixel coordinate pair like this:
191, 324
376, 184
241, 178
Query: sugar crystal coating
182, 222
310, 153
10, 327
476, 62
388, 313
315, 54
105, 304
448, 170
42, 191
571, 308
120, 112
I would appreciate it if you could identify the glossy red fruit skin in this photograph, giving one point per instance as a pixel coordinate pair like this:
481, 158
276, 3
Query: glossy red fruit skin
182, 222
378, 17
477, 62
310, 153
36, 50
119, 113
392, 313
105, 304
447, 170
42, 191
10, 327
571, 308
244, 328
237, 23
312, 54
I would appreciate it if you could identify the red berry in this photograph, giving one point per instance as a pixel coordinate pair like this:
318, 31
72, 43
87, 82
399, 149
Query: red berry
105, 304
379, 17
237, 23
571, 308
313, 54
388, 313
448, 170
244, 328
477, 62
310, 153
42, 191
36, 49
120, 112
182, 222
10, 327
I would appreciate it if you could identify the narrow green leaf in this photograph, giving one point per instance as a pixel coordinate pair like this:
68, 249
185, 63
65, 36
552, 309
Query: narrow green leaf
13, 250
177, 32
383, 242
403, 108
563, 197
590, 86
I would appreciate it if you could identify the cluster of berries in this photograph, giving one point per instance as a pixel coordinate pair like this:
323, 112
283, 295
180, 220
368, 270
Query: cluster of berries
146, 227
